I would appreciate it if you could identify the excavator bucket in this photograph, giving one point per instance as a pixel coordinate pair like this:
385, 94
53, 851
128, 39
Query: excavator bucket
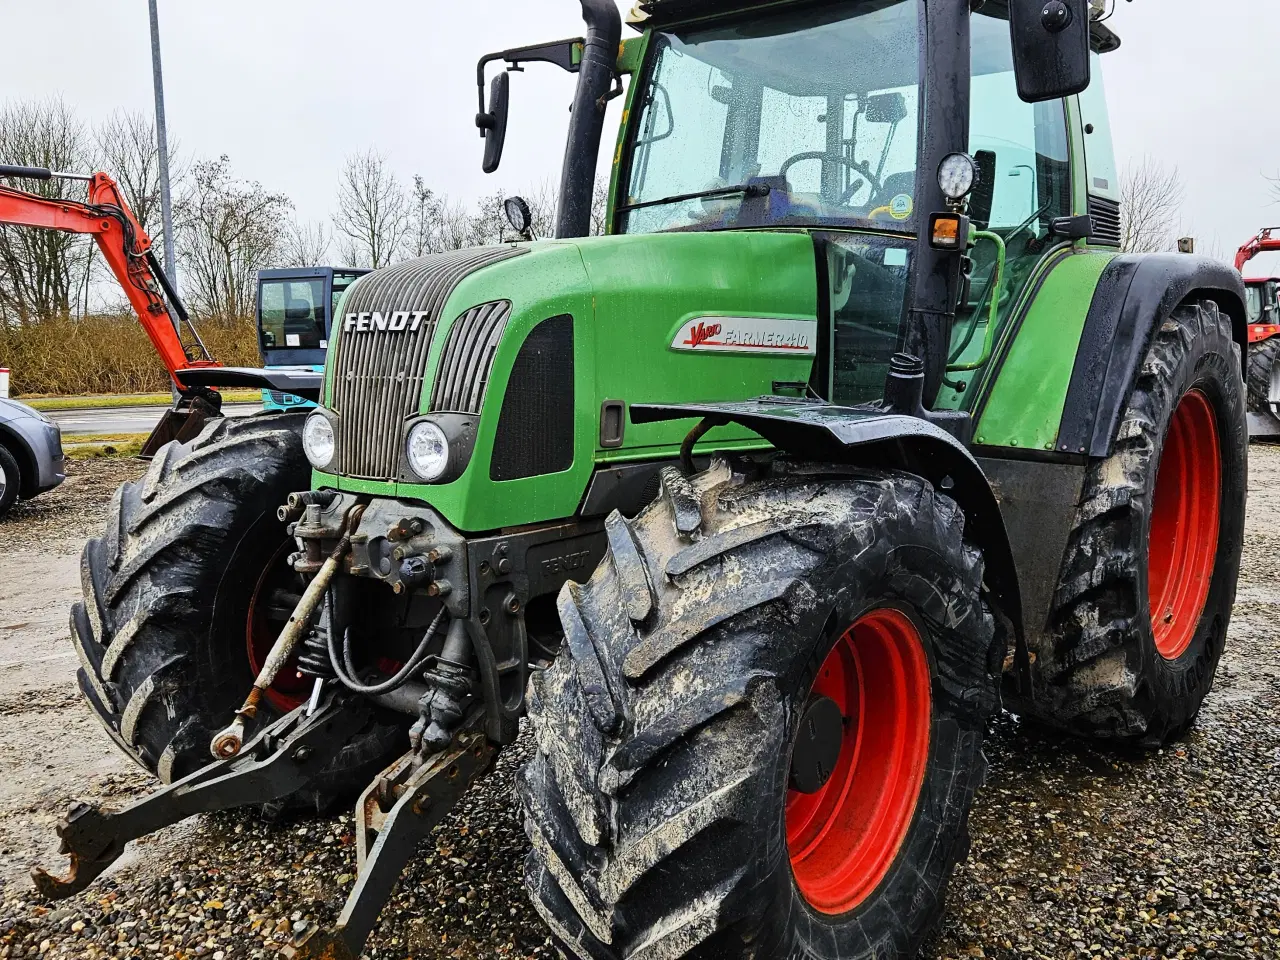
182, 422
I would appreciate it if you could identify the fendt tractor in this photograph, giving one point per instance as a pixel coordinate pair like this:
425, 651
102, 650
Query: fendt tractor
855, 426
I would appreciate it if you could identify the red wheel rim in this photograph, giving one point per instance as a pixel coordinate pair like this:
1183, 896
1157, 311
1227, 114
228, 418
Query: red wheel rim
1183, 540
274, 597
844, 838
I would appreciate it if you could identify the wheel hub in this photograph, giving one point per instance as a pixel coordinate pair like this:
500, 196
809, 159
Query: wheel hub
274, 597
844, 834
817, 746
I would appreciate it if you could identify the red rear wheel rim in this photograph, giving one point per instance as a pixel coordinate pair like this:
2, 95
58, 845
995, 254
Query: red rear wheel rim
844, 838
274, 597
1183, 541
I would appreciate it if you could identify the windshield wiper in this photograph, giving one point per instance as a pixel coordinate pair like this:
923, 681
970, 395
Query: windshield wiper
746, 189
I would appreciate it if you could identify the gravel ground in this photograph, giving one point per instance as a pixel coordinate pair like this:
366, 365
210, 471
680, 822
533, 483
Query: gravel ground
1077, 852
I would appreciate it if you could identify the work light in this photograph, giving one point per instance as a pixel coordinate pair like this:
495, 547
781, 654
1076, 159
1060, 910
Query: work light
957, 175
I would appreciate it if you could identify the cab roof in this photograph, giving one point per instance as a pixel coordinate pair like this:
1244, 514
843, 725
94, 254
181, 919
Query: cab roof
661, 13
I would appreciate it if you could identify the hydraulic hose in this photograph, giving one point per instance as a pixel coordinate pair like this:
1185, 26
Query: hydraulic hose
346, 669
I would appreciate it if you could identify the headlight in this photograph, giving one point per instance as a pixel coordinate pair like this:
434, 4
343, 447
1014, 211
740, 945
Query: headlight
317, 440
957, 174
427, 451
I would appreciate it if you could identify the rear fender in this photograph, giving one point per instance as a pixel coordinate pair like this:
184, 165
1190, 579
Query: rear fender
867, 438
1136, 294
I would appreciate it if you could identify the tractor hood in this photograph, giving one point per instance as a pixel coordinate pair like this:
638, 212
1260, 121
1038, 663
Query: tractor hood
517, 351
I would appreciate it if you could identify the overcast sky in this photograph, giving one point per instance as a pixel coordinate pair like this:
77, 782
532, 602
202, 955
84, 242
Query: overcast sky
286, 88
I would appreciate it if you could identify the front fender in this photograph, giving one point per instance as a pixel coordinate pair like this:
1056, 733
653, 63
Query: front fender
868, 438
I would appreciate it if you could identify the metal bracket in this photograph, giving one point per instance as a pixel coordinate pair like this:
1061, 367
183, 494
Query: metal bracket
395, 812
281, 760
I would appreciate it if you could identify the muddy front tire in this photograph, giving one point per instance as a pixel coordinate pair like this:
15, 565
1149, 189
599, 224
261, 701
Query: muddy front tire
172, 590
660, 804
1149, 577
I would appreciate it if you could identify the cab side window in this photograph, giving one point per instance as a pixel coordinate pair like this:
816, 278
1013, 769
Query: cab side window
1025, 146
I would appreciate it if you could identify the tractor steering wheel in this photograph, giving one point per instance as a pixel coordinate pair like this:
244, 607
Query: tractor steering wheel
837, 158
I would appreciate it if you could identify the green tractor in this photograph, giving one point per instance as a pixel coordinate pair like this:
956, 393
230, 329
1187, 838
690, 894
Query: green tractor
855, 425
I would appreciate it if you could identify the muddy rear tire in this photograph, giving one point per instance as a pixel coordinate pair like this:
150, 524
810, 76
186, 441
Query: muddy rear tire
1146, 587
659, 803
1262, 360
161, 632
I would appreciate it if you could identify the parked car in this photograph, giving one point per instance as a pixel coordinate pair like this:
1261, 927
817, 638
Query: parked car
31, 459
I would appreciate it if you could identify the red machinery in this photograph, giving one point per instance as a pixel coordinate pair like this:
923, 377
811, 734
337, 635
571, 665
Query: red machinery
1263, 371
1265, 287
127, 250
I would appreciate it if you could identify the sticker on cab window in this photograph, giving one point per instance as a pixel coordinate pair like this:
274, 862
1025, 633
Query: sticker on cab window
900, 207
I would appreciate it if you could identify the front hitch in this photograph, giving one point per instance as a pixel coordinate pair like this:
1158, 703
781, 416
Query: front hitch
282, 759
395, 812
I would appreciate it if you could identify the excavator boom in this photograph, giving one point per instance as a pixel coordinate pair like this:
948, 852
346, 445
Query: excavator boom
125, 247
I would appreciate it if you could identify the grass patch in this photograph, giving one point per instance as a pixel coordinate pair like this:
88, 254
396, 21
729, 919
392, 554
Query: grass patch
128, 400
104, 445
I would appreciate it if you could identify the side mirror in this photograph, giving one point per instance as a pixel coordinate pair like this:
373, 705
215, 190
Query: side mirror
493, 124
1050, 47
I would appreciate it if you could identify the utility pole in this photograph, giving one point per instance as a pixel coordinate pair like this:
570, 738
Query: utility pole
162, 138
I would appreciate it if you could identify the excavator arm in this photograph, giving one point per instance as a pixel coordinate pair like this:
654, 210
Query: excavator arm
1262, 243
125, 247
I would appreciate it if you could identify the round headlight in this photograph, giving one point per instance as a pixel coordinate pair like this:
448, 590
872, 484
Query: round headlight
427, 451
957, 174
317, 440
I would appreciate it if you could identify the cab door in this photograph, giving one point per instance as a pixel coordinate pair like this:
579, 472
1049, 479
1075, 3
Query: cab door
1024, 152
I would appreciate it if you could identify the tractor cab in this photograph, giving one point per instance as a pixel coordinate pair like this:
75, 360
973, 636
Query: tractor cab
813, 119
854, 124
296, 307
1262, 300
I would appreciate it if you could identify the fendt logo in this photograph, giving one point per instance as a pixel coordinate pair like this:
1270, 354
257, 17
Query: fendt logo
703, 332
375, 320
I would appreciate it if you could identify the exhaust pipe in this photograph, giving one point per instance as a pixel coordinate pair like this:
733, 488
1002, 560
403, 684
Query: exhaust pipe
586, 125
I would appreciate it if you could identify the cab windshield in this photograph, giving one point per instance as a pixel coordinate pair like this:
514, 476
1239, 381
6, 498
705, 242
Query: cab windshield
293, 314
813, 112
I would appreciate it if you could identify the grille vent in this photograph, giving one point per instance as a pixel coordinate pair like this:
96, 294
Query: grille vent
535, 431
467, 360
1106, 220
378, 374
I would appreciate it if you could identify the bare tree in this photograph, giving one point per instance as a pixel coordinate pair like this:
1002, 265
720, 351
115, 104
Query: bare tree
373, 221
1150, 202
227, 229
43, 273
600, 207
305, 244
129, 152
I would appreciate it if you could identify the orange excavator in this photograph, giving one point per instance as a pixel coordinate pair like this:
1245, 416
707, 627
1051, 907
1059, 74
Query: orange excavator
1263, 301
126, 248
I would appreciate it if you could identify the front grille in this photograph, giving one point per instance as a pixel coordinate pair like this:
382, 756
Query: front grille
1106, 220
378, 374
535, 430
468, 359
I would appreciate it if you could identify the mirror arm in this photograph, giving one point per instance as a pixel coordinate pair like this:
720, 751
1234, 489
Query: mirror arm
559, 53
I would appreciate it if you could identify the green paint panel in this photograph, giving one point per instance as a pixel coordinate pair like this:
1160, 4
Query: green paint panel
1025, 409
628, 296
647, 287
